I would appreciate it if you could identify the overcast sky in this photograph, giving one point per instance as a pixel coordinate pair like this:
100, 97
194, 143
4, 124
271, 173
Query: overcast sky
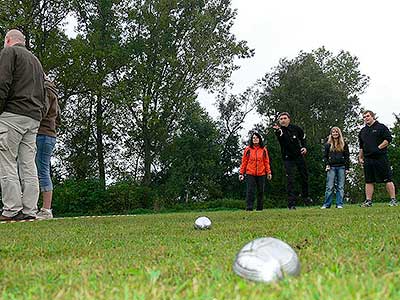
367, 29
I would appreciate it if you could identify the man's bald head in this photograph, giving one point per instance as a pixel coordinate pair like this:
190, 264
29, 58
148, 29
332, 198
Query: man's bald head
13, 37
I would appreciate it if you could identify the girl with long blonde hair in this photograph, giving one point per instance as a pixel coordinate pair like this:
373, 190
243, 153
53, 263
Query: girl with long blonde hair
337, 163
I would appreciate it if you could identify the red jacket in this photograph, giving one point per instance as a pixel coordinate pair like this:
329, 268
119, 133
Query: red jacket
255, 161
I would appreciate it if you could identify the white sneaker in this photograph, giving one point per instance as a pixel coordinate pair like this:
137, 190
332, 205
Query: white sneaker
323, 207
339, 206
44, 214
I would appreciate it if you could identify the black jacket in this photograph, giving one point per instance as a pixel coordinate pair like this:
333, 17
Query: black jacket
337, 159
22, 83
370, 137
291, 139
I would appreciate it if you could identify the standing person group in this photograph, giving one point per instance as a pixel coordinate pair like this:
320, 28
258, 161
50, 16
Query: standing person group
23, 105
374, 138
255, 163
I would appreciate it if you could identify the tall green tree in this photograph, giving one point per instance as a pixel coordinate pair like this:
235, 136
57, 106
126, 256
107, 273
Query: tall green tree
42, 24
176, 47
190, 166
97, 55
394, 150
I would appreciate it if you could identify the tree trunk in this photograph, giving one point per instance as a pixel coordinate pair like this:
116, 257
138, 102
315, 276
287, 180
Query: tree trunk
147, 156
99, 142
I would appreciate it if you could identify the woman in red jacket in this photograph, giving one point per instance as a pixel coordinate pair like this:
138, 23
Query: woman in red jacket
255, 164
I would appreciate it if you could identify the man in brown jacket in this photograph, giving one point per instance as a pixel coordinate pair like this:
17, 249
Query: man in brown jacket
22, 106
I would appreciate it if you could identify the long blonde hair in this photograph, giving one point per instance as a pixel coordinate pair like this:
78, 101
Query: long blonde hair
337, 145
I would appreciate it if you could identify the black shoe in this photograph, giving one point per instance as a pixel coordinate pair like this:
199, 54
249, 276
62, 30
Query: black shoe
5, 218
308, 201
366, 203
21, 217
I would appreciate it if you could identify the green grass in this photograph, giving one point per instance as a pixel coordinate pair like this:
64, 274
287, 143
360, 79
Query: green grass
345, 254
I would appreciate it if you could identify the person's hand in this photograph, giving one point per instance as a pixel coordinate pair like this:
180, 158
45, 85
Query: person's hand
241, 177
276, 127
269, 176
347, 171
303, 151
327, 168
361, 160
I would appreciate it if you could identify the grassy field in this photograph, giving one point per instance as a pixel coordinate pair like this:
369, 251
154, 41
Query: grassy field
351, 253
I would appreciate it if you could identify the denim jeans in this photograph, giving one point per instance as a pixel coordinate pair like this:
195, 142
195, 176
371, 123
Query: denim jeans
334, 181
45, 145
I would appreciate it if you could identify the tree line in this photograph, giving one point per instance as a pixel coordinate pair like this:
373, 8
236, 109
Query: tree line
132, 125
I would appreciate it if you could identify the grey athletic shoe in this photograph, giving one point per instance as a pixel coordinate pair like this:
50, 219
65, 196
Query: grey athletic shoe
44, 214
366, 203
393, 202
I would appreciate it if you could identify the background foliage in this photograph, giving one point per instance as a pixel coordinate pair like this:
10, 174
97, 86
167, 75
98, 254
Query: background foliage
134, 135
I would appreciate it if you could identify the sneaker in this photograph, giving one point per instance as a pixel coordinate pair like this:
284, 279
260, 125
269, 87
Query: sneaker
393, 202
366, 203
324, 207
292, 207
44, 214
339, 206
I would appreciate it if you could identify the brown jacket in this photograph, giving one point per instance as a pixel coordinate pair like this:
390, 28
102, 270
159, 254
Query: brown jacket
50, 122
21, 83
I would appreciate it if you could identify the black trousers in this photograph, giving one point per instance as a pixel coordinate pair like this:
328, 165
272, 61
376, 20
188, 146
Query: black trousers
252, 183
290, 168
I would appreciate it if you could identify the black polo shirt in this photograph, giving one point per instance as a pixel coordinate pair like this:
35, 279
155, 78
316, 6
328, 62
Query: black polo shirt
370, 137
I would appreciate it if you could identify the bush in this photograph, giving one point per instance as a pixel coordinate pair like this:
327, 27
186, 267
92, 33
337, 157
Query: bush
127, 196
87, 197
79, 197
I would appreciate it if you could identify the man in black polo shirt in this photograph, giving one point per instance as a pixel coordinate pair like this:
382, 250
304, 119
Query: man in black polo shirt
374, 139
293, 148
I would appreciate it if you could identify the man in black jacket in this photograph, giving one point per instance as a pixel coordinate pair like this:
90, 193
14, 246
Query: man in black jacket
374, 138
22, 106
293, 148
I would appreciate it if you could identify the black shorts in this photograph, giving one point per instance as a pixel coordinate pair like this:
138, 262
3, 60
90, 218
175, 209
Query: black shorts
377, 170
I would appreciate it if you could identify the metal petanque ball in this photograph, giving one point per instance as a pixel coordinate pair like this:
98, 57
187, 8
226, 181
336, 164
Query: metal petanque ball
202, 223
266, 259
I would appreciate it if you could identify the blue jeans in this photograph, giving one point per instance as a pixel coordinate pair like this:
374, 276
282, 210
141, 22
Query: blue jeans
334, 180
45, 145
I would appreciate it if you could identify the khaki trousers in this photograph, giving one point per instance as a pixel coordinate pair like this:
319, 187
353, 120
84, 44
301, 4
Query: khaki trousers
18, 174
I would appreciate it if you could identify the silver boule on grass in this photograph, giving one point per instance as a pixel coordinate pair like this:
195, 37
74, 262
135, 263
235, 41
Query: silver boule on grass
266, 260
202, 223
